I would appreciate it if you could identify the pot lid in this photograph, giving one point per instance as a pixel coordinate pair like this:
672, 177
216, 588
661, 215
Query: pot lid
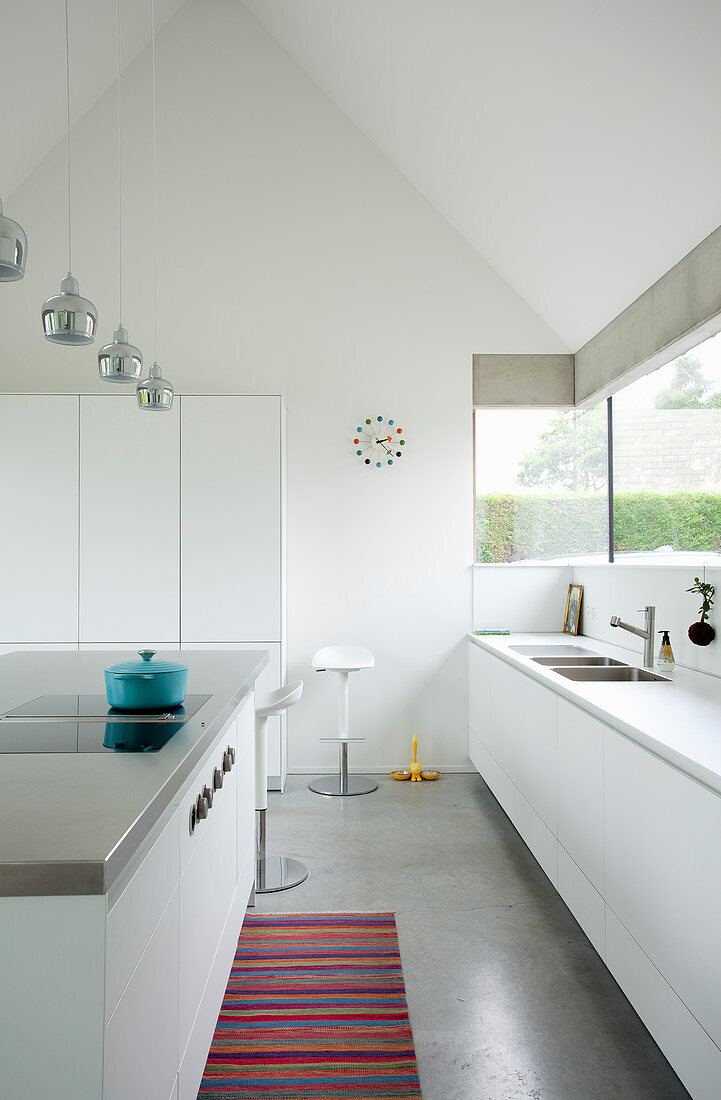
146, 664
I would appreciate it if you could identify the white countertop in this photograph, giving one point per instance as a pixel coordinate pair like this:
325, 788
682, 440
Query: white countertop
70, 822
679, 721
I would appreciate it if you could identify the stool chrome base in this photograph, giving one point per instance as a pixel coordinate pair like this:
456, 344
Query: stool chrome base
340, 785
278, 873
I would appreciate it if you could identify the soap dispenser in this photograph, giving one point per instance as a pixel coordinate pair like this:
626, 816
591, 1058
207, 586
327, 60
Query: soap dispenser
665, 654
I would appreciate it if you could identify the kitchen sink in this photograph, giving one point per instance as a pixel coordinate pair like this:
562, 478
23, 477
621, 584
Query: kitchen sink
549, 650
581, 660
619, 674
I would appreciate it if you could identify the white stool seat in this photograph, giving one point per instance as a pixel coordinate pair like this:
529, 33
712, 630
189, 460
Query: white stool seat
275, 702
343, 658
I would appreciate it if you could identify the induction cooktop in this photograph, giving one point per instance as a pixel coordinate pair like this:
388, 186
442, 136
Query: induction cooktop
85, 723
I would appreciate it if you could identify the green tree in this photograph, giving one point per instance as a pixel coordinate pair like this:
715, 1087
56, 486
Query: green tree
688, 389
571, 453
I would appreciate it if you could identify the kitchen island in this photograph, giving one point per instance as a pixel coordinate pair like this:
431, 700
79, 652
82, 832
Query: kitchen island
123, 883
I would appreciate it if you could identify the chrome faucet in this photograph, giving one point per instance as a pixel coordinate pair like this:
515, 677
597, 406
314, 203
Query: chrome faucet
649, 628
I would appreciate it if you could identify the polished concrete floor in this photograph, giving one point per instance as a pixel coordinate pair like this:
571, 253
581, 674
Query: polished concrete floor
507, 998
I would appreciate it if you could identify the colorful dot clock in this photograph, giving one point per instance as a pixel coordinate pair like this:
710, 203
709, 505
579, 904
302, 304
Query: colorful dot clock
379, 442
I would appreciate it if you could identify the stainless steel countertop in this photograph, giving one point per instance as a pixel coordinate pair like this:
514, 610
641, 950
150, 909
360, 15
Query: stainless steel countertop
70, 822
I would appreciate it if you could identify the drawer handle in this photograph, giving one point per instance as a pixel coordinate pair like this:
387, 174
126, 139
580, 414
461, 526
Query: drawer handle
231, 753
227, 765
201, 809
208, 796
192, 820
217, 779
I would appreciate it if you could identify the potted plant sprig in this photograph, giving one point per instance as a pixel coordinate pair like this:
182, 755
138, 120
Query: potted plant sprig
702, 633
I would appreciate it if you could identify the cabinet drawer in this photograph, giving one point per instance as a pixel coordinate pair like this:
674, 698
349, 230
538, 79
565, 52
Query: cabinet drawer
203, 777
207, 887
141, 1037
133, 917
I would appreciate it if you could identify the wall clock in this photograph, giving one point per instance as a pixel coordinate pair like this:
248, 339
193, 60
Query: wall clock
379, 442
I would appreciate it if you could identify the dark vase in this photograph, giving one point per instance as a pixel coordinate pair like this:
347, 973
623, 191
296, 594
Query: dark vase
701, 633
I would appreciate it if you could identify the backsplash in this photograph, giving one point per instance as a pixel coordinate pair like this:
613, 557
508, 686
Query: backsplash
620, 590
533, 598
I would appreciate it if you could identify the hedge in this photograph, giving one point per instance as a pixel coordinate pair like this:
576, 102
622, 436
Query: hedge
516, 528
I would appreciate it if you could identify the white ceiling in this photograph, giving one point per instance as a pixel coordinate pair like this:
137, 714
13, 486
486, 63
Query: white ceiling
33, 66
575, 144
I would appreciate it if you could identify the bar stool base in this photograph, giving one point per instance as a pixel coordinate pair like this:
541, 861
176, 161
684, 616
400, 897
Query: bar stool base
340, 786
278, 873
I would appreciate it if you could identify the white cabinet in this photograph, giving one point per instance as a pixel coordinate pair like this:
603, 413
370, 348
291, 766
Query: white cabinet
523, 718
580, 790
207, 883
39, 508
663, 871
231, 573
141, 1037
635, 844
129, 522
479, 709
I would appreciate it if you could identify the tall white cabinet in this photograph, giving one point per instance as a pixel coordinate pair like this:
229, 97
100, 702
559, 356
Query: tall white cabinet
39, 509
127, 529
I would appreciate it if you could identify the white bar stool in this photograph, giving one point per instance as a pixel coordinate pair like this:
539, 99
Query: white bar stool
343, 659
271, 872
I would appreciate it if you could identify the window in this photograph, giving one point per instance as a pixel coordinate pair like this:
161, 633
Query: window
541, 475
541, 484
667, 459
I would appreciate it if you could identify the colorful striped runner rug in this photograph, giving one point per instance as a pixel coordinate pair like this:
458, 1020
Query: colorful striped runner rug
315, 1007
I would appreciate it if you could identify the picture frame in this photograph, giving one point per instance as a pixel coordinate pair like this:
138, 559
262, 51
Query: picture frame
573, 609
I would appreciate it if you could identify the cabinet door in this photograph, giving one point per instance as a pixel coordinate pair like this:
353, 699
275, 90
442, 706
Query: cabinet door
523, 719
663, 871
580, 790
231, 519
39, 508
129, 522
141, 1037
479, 693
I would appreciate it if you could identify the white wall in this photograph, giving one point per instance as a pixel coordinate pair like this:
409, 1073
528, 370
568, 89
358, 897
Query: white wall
620, 590
294, 259
520, 597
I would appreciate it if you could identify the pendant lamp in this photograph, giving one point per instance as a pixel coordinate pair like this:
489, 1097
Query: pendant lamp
13, 249
120, 361
68, 318
155, 392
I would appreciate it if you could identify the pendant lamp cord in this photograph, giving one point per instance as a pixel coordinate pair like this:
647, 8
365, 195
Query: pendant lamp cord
155, 203
67, 89
120, 179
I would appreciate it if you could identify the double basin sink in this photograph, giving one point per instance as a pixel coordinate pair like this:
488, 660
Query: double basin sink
576, 663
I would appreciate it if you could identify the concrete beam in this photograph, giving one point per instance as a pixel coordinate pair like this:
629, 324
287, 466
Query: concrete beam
545, 381
676, 313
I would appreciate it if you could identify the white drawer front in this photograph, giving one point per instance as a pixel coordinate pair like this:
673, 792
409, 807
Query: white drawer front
141, 1037
136, 912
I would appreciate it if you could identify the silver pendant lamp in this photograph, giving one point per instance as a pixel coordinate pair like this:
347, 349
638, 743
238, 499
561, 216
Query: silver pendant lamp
120, 361
155, 392
13, 249
68, 318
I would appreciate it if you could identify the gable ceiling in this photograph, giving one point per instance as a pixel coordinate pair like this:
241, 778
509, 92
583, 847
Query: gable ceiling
33, 65
573, 143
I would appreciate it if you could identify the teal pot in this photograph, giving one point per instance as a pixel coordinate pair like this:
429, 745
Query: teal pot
146, 685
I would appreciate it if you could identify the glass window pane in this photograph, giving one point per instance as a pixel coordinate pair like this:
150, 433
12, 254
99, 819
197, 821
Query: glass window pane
541, 485
667, 459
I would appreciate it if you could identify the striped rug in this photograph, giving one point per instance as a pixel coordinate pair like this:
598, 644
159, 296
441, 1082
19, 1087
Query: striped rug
315, 1007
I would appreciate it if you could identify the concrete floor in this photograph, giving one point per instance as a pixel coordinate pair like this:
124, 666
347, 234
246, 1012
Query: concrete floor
507, 998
